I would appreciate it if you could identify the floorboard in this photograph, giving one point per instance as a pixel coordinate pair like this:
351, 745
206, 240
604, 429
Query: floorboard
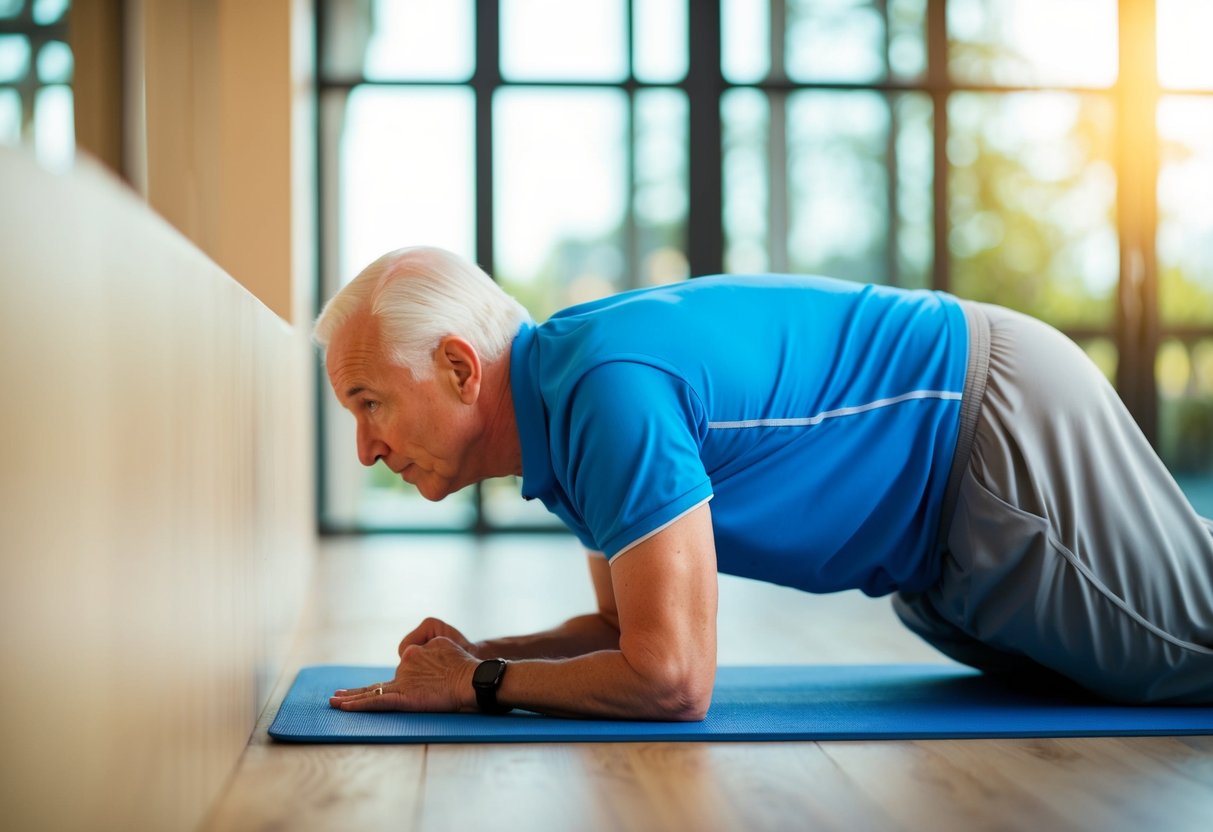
369, 592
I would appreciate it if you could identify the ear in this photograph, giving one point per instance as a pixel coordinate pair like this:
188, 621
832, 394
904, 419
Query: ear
458, 365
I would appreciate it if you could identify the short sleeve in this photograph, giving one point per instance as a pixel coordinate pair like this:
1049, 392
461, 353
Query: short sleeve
632, 462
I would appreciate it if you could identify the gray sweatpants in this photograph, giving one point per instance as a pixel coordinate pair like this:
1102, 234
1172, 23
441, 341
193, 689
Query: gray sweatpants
1071, 550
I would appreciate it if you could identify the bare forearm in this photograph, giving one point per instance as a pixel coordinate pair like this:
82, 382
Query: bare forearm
575, 637
603, 685
650, 652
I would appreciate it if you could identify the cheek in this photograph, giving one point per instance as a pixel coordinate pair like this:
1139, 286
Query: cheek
410, 432
429, 432
435, 422
443, 437
400, 433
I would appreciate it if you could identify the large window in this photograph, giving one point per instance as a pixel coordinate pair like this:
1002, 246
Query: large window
36, 68
1054, 156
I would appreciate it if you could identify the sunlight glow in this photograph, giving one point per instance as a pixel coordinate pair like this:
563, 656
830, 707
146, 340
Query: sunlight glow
1070, 42
1184, 59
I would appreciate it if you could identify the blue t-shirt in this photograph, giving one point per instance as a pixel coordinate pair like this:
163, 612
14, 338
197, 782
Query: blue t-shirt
820, 417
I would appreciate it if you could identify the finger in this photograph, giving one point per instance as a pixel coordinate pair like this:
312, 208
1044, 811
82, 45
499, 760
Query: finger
422, 633
371, 693
387, 701
416, 637
430, 629
356, 691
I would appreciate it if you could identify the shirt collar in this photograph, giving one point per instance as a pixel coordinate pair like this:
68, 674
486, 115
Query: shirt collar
530, 414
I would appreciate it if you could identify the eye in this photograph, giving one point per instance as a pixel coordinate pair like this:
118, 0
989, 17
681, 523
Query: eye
370, 406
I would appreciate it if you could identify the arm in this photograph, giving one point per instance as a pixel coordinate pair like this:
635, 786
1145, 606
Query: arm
664, 592
665, 597
575, 637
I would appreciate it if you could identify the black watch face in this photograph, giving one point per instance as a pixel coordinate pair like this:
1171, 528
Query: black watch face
486, 673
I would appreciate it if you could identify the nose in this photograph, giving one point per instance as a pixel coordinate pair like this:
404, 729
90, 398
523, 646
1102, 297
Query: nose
370, 447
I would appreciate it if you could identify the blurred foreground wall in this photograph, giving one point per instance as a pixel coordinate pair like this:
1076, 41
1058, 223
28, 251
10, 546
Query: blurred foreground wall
156, 517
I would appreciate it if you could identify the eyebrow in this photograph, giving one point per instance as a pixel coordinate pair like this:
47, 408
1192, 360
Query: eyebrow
354, 391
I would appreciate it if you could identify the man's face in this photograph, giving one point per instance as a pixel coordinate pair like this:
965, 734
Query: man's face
419, 428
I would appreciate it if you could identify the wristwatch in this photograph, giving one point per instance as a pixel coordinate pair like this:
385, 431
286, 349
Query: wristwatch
485, 681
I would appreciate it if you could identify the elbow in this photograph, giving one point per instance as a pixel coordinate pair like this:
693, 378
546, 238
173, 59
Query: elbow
675, 676
679, 694
690, 708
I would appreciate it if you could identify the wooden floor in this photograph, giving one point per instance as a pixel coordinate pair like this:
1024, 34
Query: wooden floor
369, 592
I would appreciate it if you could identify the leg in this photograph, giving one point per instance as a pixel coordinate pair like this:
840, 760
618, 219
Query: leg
1071, 544
917, 613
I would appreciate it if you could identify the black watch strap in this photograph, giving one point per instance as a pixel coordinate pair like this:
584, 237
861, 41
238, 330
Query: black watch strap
485, 681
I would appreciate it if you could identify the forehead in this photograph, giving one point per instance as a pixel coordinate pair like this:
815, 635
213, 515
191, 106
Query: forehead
355, 348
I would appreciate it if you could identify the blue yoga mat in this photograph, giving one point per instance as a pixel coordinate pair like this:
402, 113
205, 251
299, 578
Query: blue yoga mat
793, 702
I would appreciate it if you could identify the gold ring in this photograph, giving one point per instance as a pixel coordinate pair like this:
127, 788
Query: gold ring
379, 691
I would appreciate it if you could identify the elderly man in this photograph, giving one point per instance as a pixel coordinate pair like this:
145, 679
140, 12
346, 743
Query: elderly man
813, 433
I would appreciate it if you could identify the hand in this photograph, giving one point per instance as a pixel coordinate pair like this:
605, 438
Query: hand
433, 628
434, 676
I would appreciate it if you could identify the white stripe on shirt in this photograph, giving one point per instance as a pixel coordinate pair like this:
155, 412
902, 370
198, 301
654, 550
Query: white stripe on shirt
660, 528
806, 421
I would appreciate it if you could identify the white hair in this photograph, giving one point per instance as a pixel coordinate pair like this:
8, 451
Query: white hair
420, 295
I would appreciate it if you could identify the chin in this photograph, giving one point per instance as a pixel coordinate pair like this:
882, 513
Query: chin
434, 494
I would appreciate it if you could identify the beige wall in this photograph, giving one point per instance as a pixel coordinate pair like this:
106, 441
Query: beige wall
155, 508
211, 101
95, 31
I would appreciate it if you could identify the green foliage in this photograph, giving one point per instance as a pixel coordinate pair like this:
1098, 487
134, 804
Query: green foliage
1024, 239
1186, 428
1183, 300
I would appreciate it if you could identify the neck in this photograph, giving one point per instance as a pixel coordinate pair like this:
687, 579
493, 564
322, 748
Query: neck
500, 447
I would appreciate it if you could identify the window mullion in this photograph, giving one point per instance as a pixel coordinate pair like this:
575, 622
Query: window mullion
939, 82
485, 81
777, 143
1137, 213
893, 233
705, 83
631, 235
